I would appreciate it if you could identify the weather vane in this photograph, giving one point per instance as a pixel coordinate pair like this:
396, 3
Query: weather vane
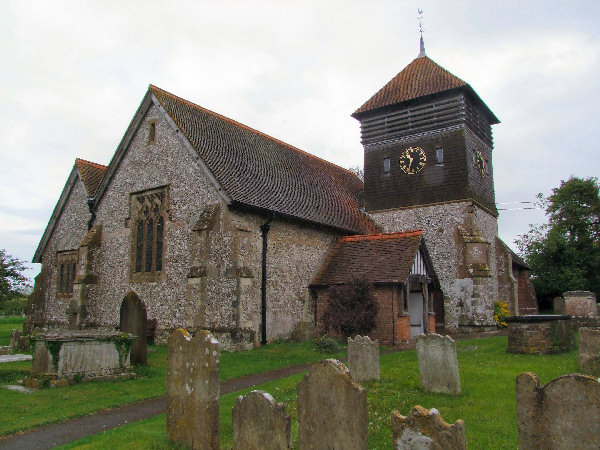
421, 30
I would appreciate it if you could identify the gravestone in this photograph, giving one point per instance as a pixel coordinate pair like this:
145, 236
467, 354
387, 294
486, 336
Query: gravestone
332, 409
589, 351
438, 364
563, 414
363, 358
425, 429
18, 342
133, 320
193, 389
260, 423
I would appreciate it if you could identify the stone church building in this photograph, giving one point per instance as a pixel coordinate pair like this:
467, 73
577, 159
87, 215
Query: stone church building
212, 224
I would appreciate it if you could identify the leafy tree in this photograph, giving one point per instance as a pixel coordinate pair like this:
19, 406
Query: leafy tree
358, 171
12, 282
564, 254
352, 309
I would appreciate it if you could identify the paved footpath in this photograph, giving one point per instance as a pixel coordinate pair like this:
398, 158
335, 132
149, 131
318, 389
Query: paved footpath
50, 436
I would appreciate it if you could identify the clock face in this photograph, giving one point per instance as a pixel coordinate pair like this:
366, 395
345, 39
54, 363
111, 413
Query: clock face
480, 162
412, 160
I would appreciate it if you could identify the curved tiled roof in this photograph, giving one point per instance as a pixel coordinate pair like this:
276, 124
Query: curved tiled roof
381, 258
91, 175
420, 78
259, 171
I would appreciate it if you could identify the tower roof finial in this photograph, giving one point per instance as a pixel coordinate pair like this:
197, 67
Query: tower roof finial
421, 30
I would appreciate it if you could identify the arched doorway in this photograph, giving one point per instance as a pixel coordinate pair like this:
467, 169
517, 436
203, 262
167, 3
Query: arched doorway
133, 320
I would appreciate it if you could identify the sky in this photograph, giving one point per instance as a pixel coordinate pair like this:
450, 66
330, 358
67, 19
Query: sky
73, 74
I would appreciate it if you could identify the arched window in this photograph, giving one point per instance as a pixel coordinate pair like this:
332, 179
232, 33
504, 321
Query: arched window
66, 267
148, 234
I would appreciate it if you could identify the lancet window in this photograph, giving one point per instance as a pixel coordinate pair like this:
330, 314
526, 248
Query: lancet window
149, 211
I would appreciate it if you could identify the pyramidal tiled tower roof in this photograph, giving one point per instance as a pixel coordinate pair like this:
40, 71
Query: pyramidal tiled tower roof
420, 78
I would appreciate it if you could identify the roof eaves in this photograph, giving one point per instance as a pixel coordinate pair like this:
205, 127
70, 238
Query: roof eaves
236, 204
60, 204
466, 88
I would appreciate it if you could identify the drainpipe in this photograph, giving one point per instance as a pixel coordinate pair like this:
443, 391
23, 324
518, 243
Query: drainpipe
90, 202
264, 228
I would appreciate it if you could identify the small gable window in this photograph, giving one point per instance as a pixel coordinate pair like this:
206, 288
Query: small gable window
152, 132
149, 210
66, 269
386, 165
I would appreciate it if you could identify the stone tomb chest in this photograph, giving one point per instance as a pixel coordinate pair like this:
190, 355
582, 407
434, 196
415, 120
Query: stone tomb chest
68, 354
540, 334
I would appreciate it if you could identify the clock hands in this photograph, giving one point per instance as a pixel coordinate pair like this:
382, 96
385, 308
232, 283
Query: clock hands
410, 159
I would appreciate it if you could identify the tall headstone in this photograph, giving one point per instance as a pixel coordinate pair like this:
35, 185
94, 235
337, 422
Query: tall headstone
438, 364
589, 351
133, 320
563, 414
193, 389
260, 423
425, 429
332, 409
363, 358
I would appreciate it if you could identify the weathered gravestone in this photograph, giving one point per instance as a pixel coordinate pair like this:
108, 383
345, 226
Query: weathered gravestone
589, 351
193, 389
260, 423
332, 409
133, 320
563, 414
363, 358
18, 342
438, 365
425, 429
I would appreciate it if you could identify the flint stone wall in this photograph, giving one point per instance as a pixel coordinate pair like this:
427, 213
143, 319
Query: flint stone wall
438, 363
363, 358
193, 389
425, 429
81, 353
580, 303
332, 409
468, 302
563, 414
589, 351
211, 270
543, 334
69, 231
260, 423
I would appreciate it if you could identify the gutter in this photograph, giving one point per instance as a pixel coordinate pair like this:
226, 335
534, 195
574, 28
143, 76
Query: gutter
264, 228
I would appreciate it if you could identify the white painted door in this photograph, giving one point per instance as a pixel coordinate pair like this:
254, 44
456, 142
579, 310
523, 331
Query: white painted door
415, 311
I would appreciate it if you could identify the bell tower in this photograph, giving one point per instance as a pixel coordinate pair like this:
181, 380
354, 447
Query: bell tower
427, 139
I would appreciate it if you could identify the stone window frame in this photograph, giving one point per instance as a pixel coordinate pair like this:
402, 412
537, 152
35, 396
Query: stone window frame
149, 210
439, 156
387, 165
152, 128
66, 272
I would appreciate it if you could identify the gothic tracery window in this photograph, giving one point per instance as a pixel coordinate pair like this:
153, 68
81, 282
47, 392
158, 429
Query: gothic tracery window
66, 265
149, 209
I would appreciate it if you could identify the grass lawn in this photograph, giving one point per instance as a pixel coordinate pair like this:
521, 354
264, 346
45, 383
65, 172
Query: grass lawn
6, 326
487, 403
22, 411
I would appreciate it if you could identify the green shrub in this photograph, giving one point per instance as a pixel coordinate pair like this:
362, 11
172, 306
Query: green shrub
326, 344
14, 307
352, 309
